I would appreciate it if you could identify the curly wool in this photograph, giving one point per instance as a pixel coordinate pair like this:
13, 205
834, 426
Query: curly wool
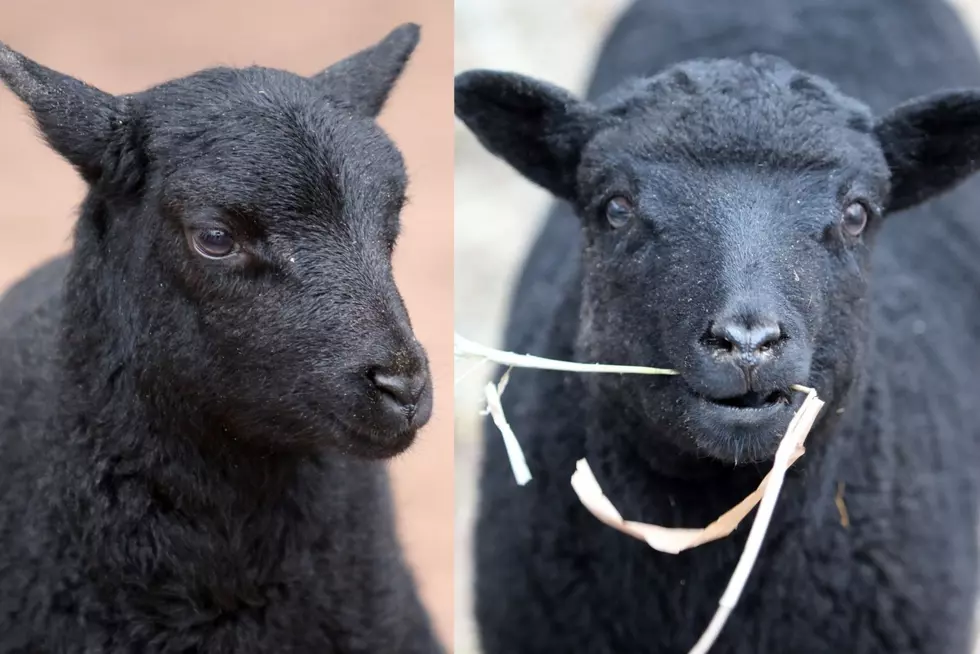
190, 448
729, 160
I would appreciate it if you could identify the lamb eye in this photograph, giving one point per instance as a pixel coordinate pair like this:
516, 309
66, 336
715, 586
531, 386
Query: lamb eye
855, 218
619, 211
213, 243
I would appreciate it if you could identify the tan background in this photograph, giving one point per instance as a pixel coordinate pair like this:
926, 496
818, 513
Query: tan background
497, 212
123, 46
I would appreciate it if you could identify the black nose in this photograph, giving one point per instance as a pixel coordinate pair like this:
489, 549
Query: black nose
404, 389
746, 339
741, 337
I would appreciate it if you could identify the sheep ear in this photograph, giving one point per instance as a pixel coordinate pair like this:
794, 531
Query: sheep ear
536, 127
931, 144
364, 80
74, 118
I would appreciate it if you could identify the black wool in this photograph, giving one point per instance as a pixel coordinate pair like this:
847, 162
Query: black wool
757, 194
195, 403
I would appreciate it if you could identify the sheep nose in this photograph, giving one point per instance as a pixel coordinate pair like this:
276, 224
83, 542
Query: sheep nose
742, 338
747, 341
398, 389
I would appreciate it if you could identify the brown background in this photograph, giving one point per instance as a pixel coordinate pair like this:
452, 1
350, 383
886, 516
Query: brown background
123, 46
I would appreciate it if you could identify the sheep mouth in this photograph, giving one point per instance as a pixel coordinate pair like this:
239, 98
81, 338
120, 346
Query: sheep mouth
753, 400
750, 402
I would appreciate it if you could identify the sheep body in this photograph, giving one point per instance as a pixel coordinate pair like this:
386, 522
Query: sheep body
139, 511
901, 576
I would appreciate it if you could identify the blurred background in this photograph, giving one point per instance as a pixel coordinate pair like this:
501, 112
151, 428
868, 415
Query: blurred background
122, 46
498, 213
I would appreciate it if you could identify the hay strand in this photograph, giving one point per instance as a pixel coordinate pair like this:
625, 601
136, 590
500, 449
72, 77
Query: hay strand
663, 539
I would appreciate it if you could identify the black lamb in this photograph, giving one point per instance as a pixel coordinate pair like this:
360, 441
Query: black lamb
196, 401
759, 194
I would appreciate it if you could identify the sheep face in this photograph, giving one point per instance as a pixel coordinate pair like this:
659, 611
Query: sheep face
278, 224
728, 213
253, 214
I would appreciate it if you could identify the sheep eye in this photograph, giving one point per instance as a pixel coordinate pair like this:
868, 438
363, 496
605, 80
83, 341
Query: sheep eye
213, 243
855, 218
619, 211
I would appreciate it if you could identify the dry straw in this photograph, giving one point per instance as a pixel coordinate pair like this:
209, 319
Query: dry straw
663, 539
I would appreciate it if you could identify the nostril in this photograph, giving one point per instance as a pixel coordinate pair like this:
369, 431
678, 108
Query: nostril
762, 338
405, 389
721, 343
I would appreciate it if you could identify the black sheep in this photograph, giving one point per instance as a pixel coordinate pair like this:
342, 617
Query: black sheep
727, 211
196, 401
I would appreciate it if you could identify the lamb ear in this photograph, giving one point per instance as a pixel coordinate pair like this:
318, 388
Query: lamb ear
536, 127
364, 80
74, 118
931, 144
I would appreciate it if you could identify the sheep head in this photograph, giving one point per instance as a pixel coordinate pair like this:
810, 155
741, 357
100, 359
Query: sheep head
236, 245
728, 210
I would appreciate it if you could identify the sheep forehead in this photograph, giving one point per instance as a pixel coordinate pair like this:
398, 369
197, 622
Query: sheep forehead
757, 103
239, 139
255, 110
